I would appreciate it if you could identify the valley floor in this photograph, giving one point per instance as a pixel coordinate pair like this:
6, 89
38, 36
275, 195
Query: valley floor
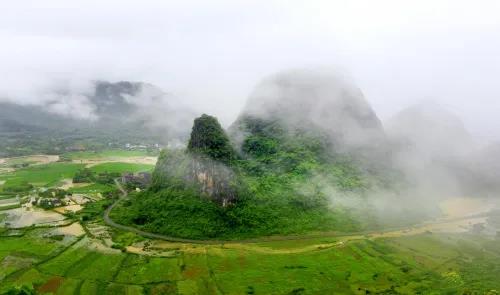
54, 254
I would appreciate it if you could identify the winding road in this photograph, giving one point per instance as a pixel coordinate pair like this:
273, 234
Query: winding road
412, 230
111, 223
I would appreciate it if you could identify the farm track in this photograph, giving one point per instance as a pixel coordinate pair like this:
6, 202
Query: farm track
345, 237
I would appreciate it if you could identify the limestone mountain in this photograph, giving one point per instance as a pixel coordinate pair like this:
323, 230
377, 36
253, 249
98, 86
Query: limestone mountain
432, 130
318, 100
316, 111
435, 150
204, 166
107, 112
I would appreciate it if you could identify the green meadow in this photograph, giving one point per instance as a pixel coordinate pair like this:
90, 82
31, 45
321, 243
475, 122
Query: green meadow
42, 175
420, 264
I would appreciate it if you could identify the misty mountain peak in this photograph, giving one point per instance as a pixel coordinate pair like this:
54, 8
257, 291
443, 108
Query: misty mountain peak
431, 128
316, 98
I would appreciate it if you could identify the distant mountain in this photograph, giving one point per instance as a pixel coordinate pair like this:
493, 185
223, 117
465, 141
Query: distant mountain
116, 113
433, 147
319, 100
431, 129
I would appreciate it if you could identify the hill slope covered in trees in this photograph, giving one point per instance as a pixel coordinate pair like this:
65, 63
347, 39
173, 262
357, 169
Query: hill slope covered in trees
277, 177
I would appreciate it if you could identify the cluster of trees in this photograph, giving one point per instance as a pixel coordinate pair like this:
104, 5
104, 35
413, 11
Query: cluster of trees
51, 198
83, 176
209, 139
86, 175
53, 193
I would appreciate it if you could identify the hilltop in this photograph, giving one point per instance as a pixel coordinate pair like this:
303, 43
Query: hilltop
273, 174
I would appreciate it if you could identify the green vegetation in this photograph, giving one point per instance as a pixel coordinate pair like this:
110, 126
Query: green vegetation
87, 175
121, 167
92, 188
41, 175
209, 139
53, 193
278, 187
49, 175
41, 261
84, 176
425, 264
94, 210
17, 187
108, 154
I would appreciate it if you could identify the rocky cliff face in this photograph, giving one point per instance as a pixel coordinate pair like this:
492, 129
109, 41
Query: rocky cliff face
214, 180
211, 155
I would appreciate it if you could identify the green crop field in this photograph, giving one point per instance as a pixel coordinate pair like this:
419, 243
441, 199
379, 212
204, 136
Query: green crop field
107, 154
47, 175
42, 175
121, 167
422, 264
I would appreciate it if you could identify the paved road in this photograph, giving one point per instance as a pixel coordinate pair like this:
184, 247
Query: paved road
401, 231
124, 195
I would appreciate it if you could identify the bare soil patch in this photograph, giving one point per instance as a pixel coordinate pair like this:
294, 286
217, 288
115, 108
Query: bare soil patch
67, 184
69, 208
74, 229
51, 286
24, 217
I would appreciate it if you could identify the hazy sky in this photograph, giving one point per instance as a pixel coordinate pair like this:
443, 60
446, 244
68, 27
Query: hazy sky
212, 53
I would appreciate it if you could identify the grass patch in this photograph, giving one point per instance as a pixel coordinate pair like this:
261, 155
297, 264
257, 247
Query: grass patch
144, 270
121, 167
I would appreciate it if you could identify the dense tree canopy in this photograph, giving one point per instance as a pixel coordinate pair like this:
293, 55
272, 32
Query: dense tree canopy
276, 182
208, 138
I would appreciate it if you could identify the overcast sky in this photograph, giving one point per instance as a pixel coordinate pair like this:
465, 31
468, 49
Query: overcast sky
212, 53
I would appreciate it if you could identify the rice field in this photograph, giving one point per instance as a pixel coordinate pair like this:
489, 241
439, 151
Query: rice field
41, 175
71, 256
406, 265
51, 175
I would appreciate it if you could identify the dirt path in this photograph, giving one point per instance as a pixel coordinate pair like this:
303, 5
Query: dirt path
450, 224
